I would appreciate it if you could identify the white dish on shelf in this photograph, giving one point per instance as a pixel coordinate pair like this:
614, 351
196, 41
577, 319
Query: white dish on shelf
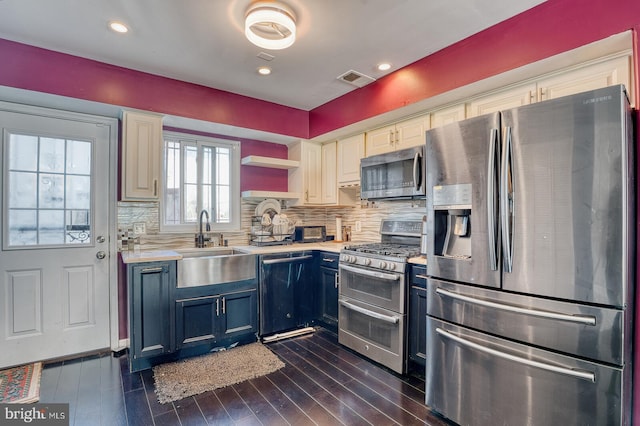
268, 204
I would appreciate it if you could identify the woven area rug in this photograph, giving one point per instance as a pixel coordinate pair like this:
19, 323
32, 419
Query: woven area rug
193, 376
20, 385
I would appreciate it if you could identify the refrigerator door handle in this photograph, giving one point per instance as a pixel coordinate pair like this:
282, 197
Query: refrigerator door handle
580, 319
580, 374
505, 193
491, 207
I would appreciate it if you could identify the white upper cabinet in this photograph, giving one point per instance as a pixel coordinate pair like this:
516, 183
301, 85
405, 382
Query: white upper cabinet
306, 179
401, 135
141, 156
447, 115
507, 99
329, 194
594, 76
350, 152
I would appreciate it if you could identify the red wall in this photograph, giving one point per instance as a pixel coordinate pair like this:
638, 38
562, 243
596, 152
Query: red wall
551, 28
42, 70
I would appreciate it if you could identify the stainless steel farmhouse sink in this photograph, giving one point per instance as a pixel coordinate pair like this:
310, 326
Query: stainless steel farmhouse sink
206, 267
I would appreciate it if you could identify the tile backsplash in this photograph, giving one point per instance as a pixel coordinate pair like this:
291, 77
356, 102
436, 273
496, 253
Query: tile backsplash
140, 216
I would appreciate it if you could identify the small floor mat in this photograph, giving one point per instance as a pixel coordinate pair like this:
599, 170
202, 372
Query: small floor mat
193, 376
20, 385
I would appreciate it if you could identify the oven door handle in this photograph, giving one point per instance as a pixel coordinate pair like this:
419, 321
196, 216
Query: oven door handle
373, 274
381, 317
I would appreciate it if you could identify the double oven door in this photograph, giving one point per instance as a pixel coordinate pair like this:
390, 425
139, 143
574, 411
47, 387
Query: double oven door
371, 314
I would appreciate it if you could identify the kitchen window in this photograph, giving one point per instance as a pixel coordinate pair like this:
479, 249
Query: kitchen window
200, 173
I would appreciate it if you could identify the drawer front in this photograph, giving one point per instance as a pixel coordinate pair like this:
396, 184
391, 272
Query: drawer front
586, 331
475, 378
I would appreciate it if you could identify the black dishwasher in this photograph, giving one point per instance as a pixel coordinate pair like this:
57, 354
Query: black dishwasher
286, 296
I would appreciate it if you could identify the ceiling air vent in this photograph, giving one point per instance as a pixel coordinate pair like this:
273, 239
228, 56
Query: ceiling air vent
356, 78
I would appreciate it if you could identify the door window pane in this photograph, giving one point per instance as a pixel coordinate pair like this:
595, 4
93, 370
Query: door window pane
23, 191
79, 157
23, 152
51, 226
49, 191
23, 227
52, 155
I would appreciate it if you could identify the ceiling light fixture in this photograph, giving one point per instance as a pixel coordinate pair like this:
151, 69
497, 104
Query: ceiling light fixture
384, 66
264, 70
118, 27
270, 25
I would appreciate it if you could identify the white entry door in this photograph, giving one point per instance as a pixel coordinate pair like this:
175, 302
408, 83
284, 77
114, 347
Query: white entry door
54, 288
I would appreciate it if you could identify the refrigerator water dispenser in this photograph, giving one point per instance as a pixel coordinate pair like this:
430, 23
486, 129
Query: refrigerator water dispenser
452, 208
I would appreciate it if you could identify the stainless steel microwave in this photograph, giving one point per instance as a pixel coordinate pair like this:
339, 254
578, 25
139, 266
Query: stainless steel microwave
397, 174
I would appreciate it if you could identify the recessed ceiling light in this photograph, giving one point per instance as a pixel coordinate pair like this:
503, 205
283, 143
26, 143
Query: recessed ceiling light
118, 27
264, 70
384, 66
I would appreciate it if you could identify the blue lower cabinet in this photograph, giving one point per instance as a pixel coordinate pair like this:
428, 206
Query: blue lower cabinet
418, 316
328, 286
167, 323
216, 320
239, 314
196, 321
151, 314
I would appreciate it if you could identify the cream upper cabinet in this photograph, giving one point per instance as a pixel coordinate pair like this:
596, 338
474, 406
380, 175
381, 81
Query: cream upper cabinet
306, 179
350, 152
381, 140
401, 135
594, 76
507, 99
447, 115
141, 155
329, 174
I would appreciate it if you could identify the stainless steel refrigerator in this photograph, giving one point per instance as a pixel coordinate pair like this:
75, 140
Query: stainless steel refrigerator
530, 257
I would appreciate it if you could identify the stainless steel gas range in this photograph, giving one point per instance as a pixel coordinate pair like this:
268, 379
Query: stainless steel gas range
372, 311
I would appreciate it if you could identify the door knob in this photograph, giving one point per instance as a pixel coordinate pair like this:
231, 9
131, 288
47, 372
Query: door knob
101, 255
100, 239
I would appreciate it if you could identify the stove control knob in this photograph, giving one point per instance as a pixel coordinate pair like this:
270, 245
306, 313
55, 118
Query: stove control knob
383, 264
392, 266
352, 259
367, 262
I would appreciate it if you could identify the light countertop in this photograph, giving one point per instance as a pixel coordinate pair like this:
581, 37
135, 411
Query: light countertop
160, 255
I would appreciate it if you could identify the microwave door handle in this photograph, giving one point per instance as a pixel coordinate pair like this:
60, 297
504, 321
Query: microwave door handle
416, 171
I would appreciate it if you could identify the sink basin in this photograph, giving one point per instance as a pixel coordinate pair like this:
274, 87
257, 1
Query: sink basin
214, 266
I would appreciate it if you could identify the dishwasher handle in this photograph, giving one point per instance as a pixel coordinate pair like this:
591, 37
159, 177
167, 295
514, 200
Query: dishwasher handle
287, 260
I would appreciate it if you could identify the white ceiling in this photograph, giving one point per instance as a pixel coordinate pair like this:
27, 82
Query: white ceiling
202, 41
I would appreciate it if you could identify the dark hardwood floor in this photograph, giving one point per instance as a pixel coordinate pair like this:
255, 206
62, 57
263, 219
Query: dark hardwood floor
322, 383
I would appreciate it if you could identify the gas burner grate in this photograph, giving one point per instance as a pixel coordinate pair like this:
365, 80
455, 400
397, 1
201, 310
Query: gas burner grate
385, 249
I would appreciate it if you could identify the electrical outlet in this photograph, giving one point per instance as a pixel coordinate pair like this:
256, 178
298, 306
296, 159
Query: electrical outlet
358, 226
139, 228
